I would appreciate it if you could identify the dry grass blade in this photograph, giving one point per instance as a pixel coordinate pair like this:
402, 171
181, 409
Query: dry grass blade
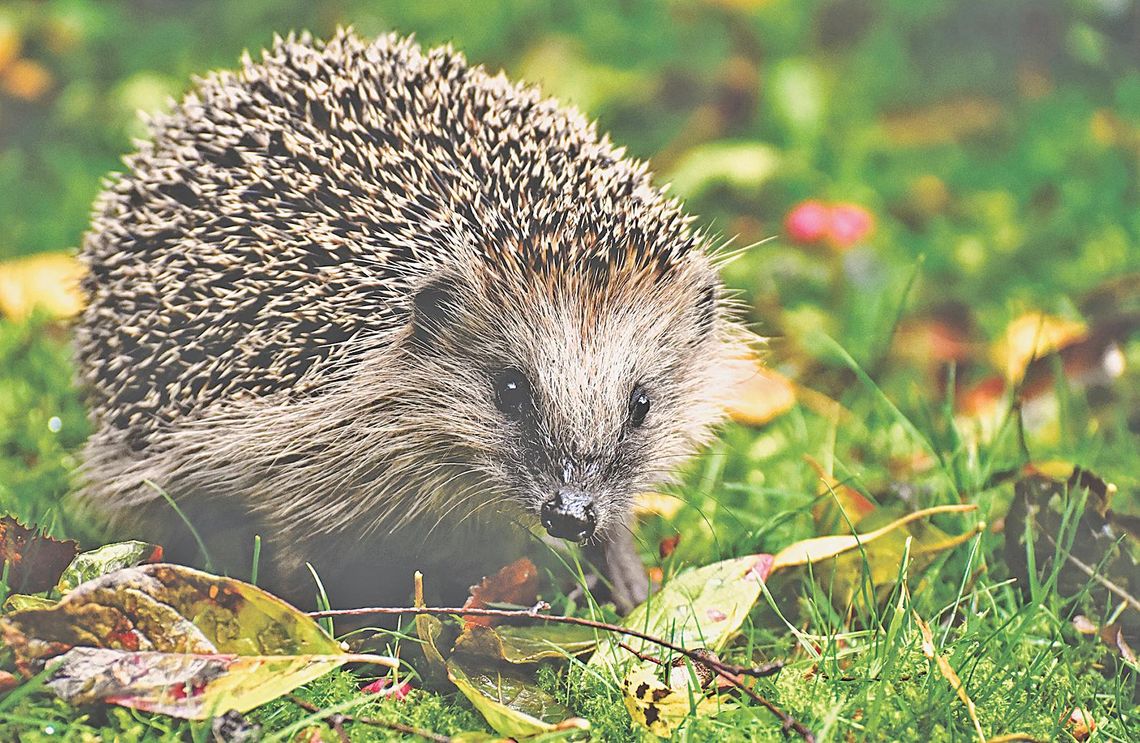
948, 673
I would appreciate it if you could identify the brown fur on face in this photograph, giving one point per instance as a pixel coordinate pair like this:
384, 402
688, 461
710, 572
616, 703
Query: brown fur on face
301, 291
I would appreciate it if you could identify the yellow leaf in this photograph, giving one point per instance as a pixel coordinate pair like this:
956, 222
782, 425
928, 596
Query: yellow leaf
1032, 336
660, 504
660, 708
759, 395
822, 548
49, 281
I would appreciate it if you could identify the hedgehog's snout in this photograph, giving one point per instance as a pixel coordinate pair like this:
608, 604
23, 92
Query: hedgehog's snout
569, 514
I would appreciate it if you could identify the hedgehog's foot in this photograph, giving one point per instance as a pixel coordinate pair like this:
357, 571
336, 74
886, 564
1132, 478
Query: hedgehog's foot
622, 568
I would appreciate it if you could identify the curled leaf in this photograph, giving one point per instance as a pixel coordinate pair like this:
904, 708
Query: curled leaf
516, 583
510, 703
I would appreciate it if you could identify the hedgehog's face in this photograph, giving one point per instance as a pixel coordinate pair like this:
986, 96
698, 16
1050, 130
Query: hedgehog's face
571, 399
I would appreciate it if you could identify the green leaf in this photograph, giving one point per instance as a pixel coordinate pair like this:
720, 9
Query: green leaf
526, 644
702, 607
512, 704
106, 559
23, 601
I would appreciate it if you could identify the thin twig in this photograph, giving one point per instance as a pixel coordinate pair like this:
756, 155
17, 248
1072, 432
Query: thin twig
730, 672
336, 722
737, 682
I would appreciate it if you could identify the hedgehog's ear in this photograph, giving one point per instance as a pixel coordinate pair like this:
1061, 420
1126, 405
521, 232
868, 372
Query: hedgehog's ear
435, 306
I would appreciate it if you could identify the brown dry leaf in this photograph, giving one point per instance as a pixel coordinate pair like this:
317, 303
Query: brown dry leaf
516, 583
947, 672
35, 560
49, 281
25, 79
945, 122
1032, 336
759, 395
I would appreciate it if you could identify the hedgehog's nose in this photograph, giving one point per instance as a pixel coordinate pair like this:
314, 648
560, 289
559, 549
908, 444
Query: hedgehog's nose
569, 515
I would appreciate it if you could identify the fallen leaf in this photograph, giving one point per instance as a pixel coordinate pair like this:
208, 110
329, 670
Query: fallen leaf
759, 395
1032, 336
107, 559
185, 685
822, 548
49, 281
661, 708
196, 643
516, 583
22, 601
1098, 555
511, 704
839, 507
428, 630
520, 645
35, 560
25, 79
701, 606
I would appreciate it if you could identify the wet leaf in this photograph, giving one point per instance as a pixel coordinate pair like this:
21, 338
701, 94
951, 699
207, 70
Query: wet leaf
512, 704
516, 583
35, 560
526, 644
197, 644
107, 559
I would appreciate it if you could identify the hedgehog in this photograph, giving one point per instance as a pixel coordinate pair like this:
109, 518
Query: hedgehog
390, 312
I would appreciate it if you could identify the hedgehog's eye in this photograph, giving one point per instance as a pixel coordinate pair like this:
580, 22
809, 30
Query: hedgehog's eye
638, 405
512, 392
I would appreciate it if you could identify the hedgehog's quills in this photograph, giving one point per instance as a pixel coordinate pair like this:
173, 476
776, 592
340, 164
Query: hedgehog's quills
387, 311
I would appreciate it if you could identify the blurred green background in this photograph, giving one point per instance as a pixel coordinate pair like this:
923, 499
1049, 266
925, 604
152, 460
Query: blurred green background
994, 145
